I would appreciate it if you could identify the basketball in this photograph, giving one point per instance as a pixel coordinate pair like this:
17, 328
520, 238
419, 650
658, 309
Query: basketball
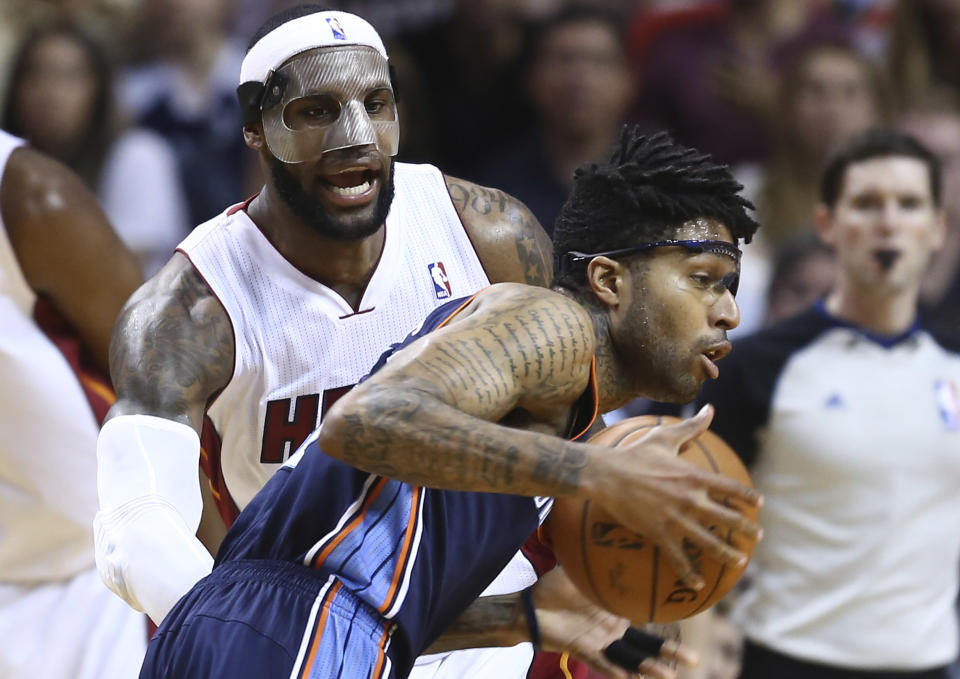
623, 571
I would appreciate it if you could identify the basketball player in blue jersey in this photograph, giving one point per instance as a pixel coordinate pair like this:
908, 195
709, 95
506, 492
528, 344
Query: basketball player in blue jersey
424, 480
274, 308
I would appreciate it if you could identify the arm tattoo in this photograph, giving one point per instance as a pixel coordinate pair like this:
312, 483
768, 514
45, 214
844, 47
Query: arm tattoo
532, 247
172, 348
431, 421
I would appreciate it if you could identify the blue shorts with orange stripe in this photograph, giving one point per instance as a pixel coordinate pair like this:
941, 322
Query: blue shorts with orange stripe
254, 619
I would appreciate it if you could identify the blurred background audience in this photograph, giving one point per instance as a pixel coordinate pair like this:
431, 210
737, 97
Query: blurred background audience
60, 99
137, 97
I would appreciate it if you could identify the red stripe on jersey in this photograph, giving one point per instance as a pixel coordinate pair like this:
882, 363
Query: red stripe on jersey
95, 384
241, 206
547, 665
211, 464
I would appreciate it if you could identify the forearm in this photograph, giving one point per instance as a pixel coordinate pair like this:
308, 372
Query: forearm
487, 622
150, 505
406, 434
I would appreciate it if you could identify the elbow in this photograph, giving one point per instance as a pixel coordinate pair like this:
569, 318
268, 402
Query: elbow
343, 426
365, 421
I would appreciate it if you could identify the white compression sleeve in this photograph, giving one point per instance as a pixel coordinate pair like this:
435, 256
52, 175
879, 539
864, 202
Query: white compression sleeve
150, 506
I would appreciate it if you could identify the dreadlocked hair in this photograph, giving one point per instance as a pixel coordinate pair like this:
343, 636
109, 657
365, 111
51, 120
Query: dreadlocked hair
647, 190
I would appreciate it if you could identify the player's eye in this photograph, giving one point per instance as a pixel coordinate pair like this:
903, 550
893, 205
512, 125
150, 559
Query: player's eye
311, 111
377, 103
702, 280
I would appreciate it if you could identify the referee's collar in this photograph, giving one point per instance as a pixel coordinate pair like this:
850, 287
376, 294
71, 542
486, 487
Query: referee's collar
886, 341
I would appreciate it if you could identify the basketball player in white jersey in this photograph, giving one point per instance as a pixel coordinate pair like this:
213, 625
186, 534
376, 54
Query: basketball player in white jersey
64, 276
272, 310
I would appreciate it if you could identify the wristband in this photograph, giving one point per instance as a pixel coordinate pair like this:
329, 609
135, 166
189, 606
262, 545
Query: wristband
633, 648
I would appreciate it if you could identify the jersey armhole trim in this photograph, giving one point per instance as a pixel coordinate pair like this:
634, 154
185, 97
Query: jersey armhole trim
233, 332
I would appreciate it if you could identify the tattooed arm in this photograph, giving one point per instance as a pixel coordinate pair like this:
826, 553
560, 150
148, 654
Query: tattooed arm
568, 622
510, 242
172, 350
517, 353
172, 347
521, 356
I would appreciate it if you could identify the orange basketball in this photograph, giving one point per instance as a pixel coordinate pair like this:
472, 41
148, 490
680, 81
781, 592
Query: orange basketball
625, 572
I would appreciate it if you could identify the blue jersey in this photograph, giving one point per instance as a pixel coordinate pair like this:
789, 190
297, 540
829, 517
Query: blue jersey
417, 556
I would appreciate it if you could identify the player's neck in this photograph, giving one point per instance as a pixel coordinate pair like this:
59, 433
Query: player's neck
614, 389
882, 313
343, 266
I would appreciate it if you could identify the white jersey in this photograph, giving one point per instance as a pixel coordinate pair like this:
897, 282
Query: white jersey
299, 345
48, 439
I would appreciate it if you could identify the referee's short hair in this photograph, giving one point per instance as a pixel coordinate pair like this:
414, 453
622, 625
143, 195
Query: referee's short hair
879, 142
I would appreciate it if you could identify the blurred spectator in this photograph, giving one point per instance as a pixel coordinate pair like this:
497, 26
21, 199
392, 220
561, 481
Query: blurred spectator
469, 69
829, 93
60, 100
709, 73
804, 271
924, 47
935, 121
185, 89
579, 83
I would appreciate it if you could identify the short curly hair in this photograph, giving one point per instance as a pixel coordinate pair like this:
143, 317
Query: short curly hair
647, 190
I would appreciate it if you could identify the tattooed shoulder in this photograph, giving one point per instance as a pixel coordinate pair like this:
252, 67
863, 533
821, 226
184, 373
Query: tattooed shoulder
173, 344
509, 240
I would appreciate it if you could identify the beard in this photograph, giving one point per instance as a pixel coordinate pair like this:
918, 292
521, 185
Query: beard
311, 212
655, 353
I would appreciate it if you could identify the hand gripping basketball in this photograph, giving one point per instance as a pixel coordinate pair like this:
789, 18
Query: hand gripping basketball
664, 536
569, 622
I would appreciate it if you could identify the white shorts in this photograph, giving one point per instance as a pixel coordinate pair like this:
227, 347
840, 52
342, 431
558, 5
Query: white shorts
72, 629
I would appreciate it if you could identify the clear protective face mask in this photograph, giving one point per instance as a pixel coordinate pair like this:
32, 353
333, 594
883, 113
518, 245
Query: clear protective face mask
328, 99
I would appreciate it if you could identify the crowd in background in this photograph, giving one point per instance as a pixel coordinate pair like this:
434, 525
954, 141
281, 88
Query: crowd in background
514, 94
138, 97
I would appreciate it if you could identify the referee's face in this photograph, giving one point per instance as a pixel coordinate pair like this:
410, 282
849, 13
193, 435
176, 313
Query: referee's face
884, 226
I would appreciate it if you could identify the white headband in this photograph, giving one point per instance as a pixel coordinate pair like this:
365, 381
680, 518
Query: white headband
321, 29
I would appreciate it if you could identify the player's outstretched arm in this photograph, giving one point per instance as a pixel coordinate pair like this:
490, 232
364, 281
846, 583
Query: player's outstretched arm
65, 246
521, 356
428, 416
172, 350
565, 622
511, 243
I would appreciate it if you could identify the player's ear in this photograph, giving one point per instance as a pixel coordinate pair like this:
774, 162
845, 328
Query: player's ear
941, 226
606, 277
253, 136
823, 223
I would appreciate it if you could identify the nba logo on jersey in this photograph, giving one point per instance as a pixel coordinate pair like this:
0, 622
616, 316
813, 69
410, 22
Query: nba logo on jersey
336, 28
948, 402
441, 284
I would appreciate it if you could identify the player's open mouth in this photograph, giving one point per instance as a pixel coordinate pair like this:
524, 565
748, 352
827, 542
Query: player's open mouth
353, 184
709, 366
713, 354
886, 258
